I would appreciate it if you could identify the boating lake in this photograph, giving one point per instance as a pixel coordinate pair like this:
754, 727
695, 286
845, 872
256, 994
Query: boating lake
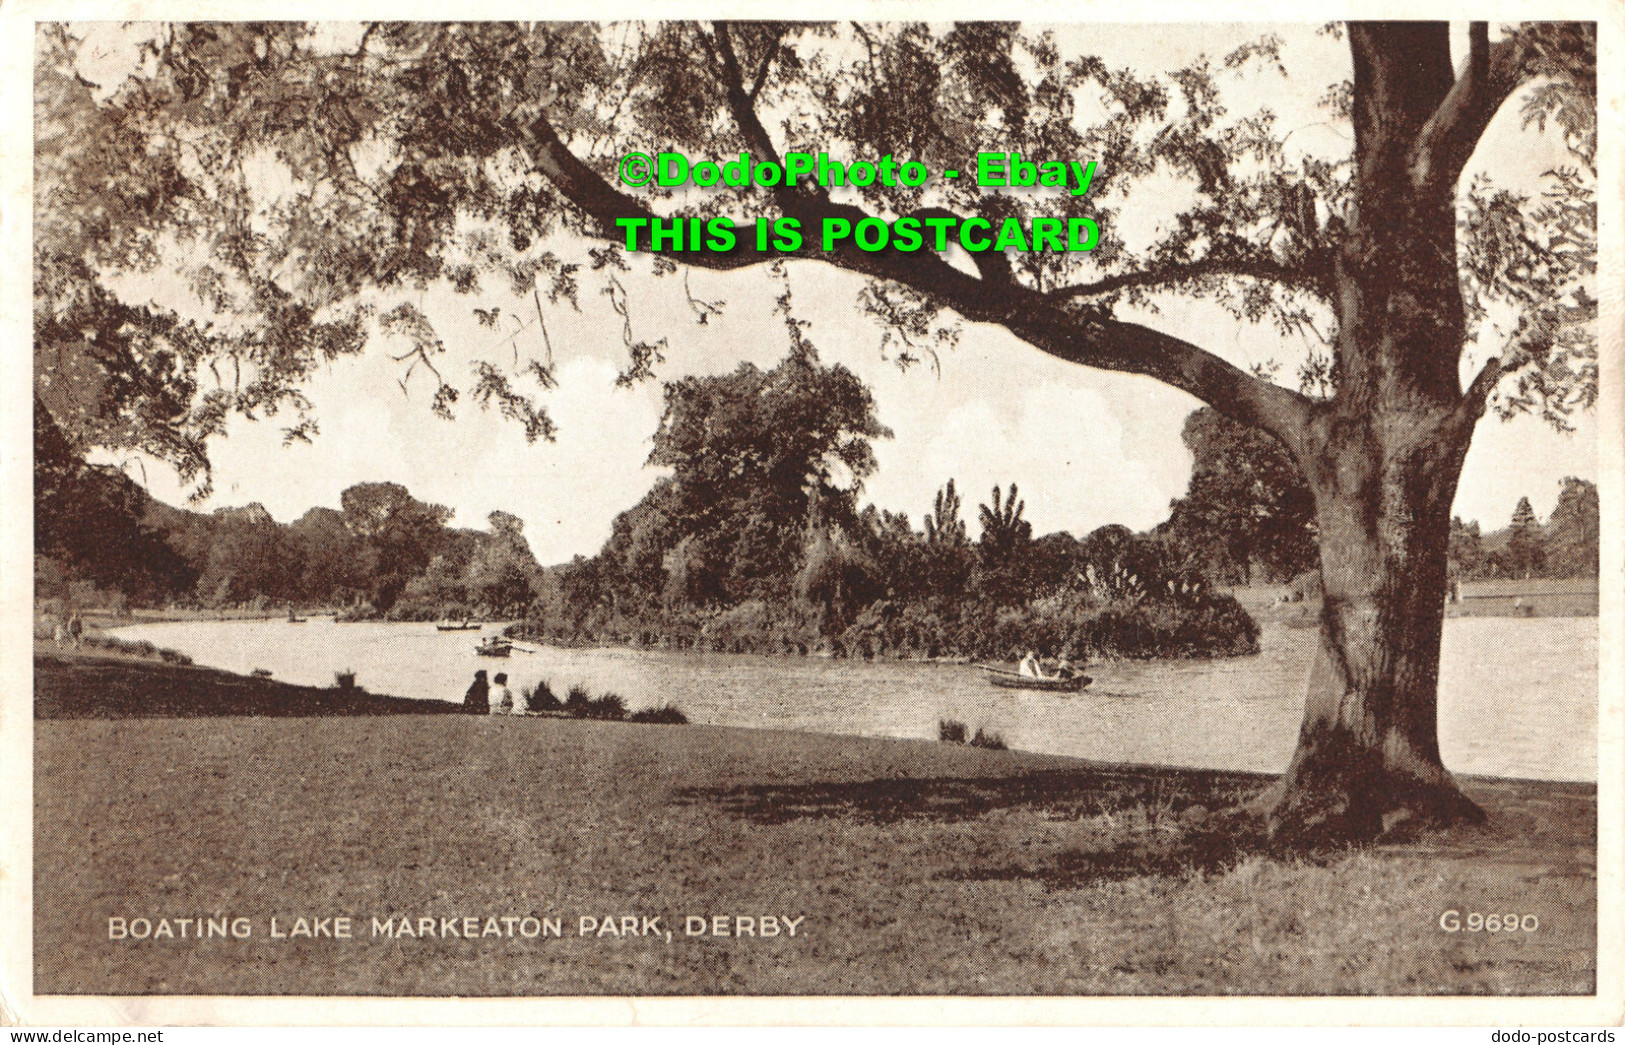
1518, 696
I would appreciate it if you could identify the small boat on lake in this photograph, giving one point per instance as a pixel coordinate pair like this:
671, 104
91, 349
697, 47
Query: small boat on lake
467, 625
1004, 678
1074, 684
494, 646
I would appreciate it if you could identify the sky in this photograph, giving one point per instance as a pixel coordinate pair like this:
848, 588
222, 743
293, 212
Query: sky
1085, 447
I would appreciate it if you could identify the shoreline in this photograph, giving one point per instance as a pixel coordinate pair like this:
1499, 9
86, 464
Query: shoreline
1565, 597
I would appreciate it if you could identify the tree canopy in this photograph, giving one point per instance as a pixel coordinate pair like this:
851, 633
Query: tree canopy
755, 543
304, 178
1247, 506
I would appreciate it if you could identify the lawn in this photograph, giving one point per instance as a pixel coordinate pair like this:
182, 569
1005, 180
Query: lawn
1562, 597
912, 867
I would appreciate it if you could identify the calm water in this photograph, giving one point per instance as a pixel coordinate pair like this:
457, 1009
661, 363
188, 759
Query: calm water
1518, 697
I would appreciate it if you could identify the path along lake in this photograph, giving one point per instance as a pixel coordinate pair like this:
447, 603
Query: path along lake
1517, 696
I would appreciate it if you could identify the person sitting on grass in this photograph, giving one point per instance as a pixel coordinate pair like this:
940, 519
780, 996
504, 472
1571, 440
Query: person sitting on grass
477, 701
521, 700
501, 696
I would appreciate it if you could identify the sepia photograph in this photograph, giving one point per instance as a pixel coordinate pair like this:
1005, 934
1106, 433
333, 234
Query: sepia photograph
880, 508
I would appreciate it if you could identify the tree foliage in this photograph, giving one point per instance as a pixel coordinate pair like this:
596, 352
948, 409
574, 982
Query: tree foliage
1247, 506
751, 544
1566, 546
1573, 533
386, 553
310, 178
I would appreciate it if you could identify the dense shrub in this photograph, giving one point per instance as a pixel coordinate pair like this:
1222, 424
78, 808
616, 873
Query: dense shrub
1079, 627
576, 700
542, 698
952, 731
609, 707
989, 740
668, 714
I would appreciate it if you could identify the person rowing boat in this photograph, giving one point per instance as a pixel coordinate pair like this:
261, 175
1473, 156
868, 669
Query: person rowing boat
1032, 668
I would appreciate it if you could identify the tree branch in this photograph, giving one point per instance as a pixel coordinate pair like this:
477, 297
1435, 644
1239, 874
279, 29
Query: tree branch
1529, 342
1478, 393
1136, 349
1044, 322
604, 203
740, 105
1168, 275
760, 79
1451, 134
992, 265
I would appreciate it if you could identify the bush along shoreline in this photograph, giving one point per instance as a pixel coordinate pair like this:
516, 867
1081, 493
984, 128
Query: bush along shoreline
1190, 626
608, 707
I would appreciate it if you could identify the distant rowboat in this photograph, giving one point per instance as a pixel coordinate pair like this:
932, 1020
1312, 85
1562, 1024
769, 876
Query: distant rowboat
464, 626
1071, 685
494, 647
1007, 679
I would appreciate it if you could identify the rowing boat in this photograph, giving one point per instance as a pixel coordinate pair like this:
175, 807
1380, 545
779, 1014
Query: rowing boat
465, 626
1071, 685
494, 647
1004, 678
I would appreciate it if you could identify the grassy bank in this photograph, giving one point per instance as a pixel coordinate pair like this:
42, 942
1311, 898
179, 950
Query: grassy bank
1570, 597
917, 867
97, 683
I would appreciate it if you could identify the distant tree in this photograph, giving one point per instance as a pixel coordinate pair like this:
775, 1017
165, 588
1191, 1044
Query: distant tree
635, 558
1466, 549
1526, 554
948, 558
402, 535
334, 560
90, 521
836, 580
898, 555
249, 560
502, 573
1247, 506
1004, 531
758, 458
441, 588
943, 525
1573, 532
1001, 553
1052, 563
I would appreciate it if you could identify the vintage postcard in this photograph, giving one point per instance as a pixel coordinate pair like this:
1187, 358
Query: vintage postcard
903, 517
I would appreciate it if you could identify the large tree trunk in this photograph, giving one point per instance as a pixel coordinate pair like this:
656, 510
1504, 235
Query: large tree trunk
1383, 459
1368, 752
